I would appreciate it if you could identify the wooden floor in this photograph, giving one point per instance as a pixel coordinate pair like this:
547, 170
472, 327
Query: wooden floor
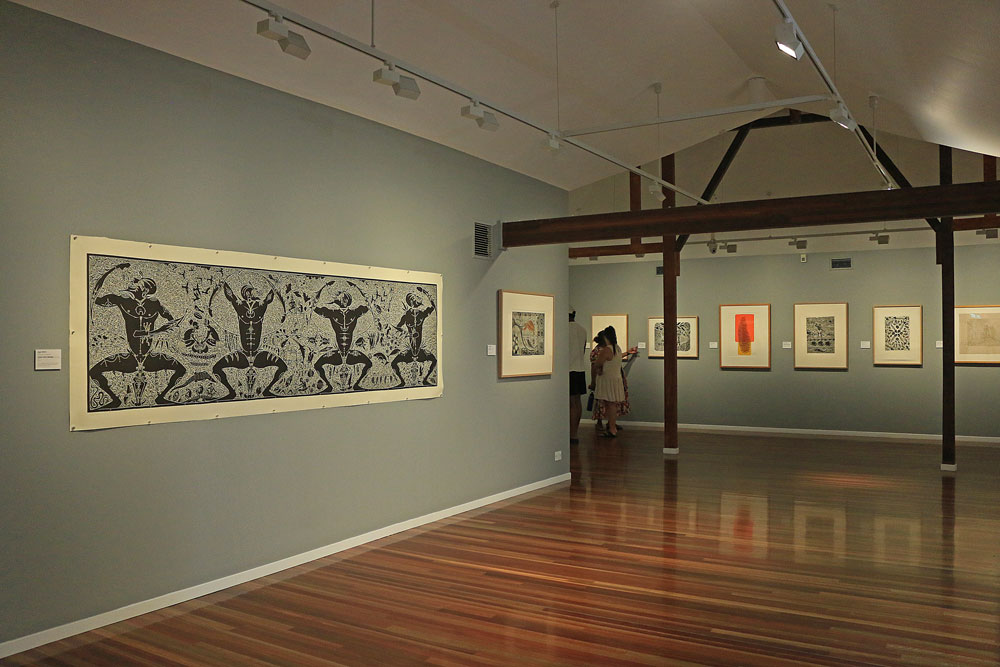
741, 551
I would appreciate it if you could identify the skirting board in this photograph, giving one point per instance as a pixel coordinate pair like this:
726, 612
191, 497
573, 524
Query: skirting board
987, 441
43, 637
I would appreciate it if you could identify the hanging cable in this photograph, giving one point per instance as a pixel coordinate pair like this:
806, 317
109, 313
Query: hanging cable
373, 23
555, 12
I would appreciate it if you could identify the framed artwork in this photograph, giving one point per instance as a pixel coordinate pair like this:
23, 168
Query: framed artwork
745, 335
821, 335
977, 334
163, 333
897, 336
620, 322
526, 333
687, 337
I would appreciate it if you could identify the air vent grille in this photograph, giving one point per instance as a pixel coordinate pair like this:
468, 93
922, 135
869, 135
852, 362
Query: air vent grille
841, 263
483, 241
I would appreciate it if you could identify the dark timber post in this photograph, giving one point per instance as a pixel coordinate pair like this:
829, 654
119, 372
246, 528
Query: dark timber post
670, 444
946, 258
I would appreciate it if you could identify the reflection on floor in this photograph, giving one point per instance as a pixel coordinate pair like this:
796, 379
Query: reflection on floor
740, 551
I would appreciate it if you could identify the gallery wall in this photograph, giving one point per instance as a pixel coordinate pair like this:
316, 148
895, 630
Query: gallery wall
862, 398
103, 137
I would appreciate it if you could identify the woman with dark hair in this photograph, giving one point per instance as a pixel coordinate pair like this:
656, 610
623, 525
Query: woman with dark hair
609, 389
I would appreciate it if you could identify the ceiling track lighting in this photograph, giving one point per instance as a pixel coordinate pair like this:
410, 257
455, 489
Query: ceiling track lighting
656, 190
842, 117
486, 120
801, 244
730, 248
787, 40
552, 143
291, 42
989, 233
402, 85
881, 239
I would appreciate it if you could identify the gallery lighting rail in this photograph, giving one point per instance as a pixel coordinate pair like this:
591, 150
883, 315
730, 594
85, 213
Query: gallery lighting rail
832, 87
822, 235
274, 9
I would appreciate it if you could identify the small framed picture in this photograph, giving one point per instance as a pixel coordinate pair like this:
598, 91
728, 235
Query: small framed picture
821, 335
526, 326
745, 335
977, 334
687, 337
897, 336
620, 322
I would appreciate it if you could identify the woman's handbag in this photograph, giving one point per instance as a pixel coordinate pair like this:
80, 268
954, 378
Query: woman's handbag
590, 401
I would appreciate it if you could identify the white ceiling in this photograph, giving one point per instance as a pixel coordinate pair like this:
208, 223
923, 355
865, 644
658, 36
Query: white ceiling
933, 63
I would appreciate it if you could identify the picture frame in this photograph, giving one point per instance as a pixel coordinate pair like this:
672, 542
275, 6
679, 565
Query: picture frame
897, 336
687, 342
977, 334
525, 333
599, 322
752, 322
820, 336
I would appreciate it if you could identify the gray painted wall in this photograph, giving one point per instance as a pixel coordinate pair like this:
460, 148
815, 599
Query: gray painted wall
863, 398
107, 138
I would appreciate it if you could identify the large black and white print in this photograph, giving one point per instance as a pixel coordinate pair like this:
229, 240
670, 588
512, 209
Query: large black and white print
820, 335
171, 333
897, 333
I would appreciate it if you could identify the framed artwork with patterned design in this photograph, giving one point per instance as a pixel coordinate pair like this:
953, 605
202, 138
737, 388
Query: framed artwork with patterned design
897, 336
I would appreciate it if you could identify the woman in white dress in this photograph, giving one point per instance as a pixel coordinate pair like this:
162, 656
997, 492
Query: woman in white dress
608, 386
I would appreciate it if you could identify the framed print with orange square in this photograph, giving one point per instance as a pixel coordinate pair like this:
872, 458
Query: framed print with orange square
897, 336
525, 322
977, 334
745, 335
821, 336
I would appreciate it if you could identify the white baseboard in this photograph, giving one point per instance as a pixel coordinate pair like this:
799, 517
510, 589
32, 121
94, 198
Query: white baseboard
43, 637
876, 435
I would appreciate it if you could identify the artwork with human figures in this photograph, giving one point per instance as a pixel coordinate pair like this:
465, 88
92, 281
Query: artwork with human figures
821, 336
164, 330
745, 335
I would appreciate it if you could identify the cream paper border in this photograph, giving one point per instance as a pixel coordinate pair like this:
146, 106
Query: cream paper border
807, 360
508, 365
80, 419
599, 322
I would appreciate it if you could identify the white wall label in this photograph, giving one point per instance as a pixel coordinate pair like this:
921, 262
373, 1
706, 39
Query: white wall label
48, 360
712, 345
786, 345
866, 345
491, 350
939, 344
642, 345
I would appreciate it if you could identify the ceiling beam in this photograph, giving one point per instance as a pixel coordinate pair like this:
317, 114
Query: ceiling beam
814, 211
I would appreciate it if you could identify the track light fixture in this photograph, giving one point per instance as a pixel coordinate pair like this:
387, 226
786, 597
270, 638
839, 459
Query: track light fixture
552, 143
989, 233
881, 239
840, 116
486, 120
731, 248
801, 244
787, 41
292, 43
402, 85
656, 190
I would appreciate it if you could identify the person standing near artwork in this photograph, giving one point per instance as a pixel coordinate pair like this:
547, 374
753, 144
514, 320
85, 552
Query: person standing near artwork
577, 374
609, 388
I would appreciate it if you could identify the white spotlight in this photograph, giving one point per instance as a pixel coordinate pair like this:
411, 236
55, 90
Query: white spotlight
881, 239
991, 233
730, 248
486, 120
387, 75
787, 41
656, 190
552, 143
295, 45
840, 116
799, 243
273, 28
407, 87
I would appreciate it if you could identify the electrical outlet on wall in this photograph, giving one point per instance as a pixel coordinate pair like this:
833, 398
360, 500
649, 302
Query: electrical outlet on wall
558, 455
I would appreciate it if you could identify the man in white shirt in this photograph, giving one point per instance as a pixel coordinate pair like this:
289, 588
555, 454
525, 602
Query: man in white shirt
577, 374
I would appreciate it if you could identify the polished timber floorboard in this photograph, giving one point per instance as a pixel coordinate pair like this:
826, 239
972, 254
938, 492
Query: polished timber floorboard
741, 551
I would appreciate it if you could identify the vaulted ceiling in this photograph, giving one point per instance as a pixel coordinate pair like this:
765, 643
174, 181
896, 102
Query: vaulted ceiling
933, 65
